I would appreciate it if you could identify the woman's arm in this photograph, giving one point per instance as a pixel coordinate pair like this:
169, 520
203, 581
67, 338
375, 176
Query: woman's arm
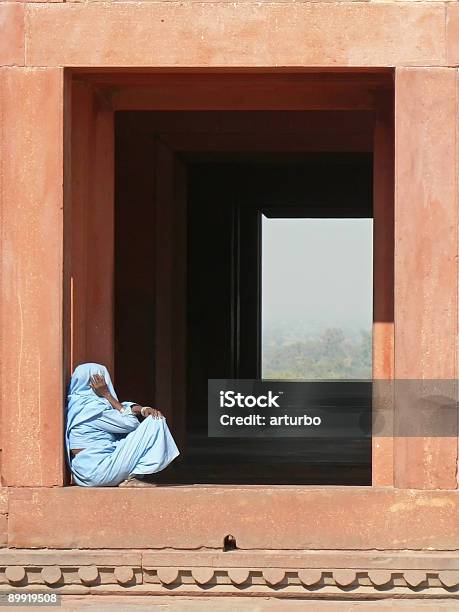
100, 388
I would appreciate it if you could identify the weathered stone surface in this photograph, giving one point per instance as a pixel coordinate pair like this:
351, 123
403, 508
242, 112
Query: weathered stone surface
92, 193
124, 574
250, 91
235, 34
380, 577
452, 34
238, 575
344, 577
414, 578
70, 558
15, 573
426, 270
202, 575
318, 560
209, 602
51, 575
223, 578
273, 575
449, 578
3, 490
65, 0
31, 160
309, 577
193, 517
11, 34
168, 575
3, 530
89, 574
309, 563
383, 290
425, 211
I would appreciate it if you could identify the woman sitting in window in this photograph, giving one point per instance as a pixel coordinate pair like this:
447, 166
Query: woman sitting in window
106, 444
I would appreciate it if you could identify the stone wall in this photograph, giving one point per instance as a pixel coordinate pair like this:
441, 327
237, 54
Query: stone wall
399, 538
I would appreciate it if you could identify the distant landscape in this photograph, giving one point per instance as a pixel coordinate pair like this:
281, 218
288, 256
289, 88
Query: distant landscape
303, 353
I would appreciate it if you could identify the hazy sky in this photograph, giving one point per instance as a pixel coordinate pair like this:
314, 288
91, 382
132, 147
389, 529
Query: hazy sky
318, 270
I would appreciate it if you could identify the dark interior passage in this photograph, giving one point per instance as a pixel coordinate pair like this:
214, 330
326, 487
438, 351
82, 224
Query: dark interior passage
219, 253
224, 317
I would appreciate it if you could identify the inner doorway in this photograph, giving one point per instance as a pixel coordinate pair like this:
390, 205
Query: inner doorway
229, 329
218, 249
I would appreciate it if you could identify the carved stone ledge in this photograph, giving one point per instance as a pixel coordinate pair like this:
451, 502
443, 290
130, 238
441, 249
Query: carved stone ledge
274, 578
367, 575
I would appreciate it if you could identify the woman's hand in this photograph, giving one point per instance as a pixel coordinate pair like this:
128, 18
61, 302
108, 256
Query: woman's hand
156, 414
99, 386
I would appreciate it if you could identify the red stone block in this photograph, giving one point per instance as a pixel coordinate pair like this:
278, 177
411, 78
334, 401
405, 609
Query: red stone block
3, 530
452, 34
3, 500
11, 34
31, 394
90, 289
235, 34
259, 517
426, 265
383, 270
167, 575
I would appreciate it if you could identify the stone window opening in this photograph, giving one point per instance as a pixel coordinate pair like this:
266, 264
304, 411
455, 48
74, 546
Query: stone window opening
153, 166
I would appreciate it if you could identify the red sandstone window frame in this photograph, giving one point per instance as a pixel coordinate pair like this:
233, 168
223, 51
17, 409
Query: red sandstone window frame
94, 98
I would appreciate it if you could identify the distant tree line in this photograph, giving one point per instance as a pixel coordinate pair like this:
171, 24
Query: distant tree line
331, 354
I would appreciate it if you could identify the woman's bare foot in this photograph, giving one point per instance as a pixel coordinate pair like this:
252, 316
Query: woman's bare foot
133, 482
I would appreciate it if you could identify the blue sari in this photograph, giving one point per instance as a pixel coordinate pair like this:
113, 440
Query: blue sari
116, 446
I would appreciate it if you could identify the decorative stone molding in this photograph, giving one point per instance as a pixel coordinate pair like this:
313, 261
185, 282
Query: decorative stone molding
313, 574
51, 575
